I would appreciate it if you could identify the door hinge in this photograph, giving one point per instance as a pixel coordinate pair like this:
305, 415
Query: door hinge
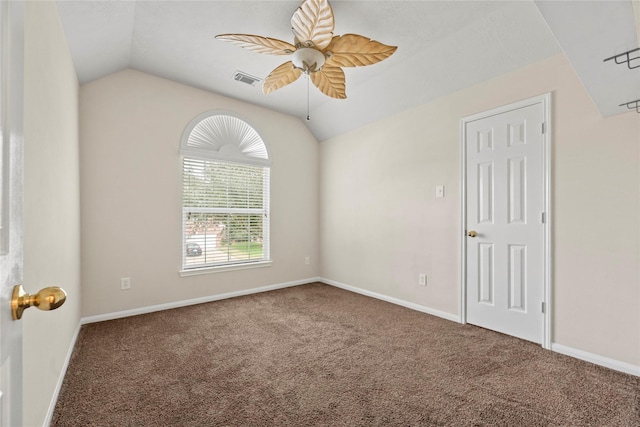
543, 307
542, 217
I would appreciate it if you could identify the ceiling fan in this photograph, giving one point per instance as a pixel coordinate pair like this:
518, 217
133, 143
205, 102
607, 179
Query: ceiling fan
316, 52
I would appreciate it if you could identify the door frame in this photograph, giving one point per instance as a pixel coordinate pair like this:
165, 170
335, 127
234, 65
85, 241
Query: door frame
545, 100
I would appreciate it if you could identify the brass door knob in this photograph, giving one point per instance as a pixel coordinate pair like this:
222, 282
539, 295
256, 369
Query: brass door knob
47, 299
473, 233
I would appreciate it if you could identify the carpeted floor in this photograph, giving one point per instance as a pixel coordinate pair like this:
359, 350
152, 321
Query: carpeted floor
315, 355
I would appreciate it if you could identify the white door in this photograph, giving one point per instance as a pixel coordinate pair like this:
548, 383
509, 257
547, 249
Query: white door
11, 96
505, 202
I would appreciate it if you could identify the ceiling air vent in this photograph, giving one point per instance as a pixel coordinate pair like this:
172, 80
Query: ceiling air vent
245, 78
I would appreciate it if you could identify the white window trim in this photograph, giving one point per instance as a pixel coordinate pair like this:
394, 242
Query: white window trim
225, 268
189, 151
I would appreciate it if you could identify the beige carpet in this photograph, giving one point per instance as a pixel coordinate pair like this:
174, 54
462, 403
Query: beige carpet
316, 355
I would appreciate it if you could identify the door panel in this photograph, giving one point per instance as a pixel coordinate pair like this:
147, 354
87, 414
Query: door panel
11, 171
517, 277
517, 192
485, 276
504, 203
485, 193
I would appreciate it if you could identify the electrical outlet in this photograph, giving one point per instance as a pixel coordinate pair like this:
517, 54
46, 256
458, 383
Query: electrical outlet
422, 279
307, 260
125, 283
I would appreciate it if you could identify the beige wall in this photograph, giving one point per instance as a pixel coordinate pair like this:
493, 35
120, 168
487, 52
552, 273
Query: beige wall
131, 124
51, 204
381, 224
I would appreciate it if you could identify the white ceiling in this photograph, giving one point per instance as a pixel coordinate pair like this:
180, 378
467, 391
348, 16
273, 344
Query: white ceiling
443, 46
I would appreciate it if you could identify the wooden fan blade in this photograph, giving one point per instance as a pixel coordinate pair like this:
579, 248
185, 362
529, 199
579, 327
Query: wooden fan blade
353, 50
330, 81
280, 77
258, 43
312, 24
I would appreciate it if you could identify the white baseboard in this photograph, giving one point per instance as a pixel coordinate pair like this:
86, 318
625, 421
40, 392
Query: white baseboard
63, 373
194, 301
392, 300
616, 365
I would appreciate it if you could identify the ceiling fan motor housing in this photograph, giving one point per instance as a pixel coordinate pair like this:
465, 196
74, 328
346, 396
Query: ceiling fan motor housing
308, 59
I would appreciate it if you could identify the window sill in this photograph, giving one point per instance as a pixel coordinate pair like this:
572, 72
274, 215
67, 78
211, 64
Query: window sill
224, 268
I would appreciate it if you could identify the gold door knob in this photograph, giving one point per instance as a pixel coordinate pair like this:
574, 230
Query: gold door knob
473, 233
47, 299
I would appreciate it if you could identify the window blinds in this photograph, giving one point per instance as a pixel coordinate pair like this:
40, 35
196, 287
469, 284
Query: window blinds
224, 213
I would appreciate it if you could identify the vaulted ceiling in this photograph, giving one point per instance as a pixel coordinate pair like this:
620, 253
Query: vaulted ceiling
443, 46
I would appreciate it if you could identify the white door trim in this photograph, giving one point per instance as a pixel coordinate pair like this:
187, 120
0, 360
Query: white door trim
545, 100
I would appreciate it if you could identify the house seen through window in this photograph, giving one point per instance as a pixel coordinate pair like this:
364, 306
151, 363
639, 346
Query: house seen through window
225, 203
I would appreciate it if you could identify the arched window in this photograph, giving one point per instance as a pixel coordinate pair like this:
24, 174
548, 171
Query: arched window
225, 200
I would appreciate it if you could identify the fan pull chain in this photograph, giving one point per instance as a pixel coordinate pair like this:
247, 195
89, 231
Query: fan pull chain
308, 78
